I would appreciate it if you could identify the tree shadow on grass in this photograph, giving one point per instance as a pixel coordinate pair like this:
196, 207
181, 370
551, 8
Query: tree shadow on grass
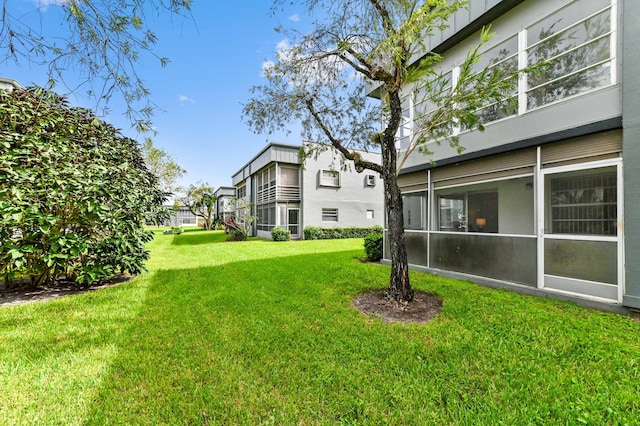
239, 342
198, 238
192, 229
201, 326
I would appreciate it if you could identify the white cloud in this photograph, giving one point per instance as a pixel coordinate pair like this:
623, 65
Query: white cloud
283, 46
43, 5
294, 18
185, 99
266, 65
282, 49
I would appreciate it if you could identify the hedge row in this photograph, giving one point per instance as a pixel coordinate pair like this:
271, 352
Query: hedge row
319, 233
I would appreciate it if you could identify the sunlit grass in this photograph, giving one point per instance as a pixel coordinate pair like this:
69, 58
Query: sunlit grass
259, 332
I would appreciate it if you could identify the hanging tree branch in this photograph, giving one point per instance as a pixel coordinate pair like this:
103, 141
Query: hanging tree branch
101, 45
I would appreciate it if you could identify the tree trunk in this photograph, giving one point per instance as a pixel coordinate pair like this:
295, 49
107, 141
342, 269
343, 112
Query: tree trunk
399, 285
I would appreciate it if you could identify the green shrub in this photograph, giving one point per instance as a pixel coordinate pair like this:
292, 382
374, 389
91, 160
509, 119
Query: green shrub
235, 235
280, 234
373, 247
74, 193
312, 233
318, 233
177, 230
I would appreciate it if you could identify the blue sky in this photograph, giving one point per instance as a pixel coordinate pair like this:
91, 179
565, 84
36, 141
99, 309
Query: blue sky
215, 59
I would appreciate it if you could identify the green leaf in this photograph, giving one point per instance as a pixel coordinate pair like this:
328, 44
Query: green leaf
15, 254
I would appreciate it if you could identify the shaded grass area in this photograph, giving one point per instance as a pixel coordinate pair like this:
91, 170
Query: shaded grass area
264, 333
193, 238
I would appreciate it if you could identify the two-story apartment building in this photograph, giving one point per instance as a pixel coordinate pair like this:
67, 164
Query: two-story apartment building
225, 202
180, 215
281, 192
547, 198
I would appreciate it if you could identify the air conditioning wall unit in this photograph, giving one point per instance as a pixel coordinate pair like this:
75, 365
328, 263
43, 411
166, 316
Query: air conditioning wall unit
370, 180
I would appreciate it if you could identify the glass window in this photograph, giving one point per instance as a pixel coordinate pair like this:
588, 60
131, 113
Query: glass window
429, 96
563, 18
242, 191
577, 51
289, 176
469, 212
370, 214
330, 178
583, 203
432, 93
453, 213
259, 181
403, 137
483, 212
503, 57
266, 219
329, 215
271, 176
414, 210
266, 180
574, 41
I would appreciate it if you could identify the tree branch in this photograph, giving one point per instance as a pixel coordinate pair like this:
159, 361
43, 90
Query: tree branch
359, 163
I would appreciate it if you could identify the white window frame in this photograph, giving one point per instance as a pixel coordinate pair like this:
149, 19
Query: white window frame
522, 58
542, 206
328, 213
335, 182
241, 191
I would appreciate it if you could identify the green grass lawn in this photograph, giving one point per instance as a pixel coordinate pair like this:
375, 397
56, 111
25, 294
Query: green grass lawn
259, 332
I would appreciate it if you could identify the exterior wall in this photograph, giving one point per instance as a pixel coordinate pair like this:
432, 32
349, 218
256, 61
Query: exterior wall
517, 242
352, 199
276, 154
522, 240
631, 146
358, 203
224, 203
181, 217
464, 23
244, 196
563, 116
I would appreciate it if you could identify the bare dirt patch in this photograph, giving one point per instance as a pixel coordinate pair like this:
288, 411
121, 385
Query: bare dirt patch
15, 295
424, 307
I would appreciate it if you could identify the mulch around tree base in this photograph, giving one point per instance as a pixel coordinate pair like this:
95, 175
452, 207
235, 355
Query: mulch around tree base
424, 307
23, 294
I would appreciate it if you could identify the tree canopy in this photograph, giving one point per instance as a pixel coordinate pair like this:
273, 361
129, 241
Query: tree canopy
163, 166
98, 42
201, 201
321, 79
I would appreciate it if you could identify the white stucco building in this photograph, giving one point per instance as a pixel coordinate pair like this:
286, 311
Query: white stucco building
281, 192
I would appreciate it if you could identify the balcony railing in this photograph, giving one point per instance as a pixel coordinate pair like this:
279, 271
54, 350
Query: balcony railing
288, 192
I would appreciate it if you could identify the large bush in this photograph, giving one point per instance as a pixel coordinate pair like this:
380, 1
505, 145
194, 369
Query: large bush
318, 233
73, 192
